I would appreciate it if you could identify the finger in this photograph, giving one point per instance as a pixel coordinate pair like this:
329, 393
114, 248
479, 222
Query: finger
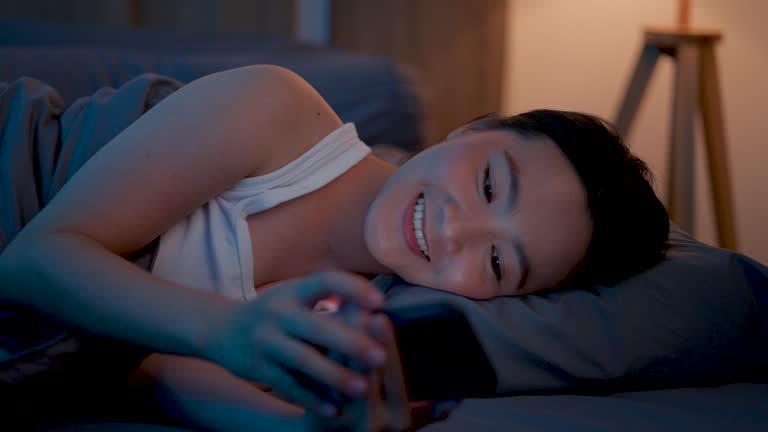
287, 385
392, 374
426, 412
380, 326
299, 356
328, 332
349, 287
421, 414
442, 409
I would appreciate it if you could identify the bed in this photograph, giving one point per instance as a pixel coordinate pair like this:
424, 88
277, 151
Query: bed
682, 346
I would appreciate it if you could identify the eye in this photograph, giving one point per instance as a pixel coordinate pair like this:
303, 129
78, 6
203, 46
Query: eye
488, 185
496, 263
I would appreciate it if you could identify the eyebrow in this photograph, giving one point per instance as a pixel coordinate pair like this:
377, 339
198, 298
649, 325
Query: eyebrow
514, 181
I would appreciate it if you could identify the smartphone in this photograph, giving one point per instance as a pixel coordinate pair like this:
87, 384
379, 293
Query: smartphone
440, 354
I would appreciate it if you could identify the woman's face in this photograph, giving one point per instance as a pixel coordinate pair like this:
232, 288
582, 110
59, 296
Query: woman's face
501, 215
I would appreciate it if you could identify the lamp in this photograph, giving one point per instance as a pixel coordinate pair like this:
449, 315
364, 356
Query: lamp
696, 87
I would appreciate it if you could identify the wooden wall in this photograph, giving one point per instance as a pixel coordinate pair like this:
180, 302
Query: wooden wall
273, 17
119, 13
455, 46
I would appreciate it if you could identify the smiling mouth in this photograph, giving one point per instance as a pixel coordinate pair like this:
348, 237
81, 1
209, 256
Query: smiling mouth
413, 226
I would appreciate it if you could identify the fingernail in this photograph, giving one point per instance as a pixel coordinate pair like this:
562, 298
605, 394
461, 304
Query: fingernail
358, 387
378, 326
376, 299
376, 357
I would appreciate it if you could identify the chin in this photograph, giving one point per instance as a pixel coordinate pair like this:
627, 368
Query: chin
383, 237
381, 246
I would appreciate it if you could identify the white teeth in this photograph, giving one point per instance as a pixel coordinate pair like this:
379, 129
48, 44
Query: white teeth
418, 219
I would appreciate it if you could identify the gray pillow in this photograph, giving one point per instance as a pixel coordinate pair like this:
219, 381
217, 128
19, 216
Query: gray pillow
694, 319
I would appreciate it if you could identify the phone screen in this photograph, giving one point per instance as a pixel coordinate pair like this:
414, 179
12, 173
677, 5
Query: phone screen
440, 353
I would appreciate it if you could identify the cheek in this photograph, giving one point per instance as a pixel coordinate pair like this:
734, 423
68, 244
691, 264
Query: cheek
557, 246
380, 225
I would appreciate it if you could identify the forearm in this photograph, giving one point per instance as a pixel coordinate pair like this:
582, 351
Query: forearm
77, 281
203, 394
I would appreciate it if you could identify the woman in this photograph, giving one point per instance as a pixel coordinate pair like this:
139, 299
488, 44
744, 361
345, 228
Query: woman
278, 198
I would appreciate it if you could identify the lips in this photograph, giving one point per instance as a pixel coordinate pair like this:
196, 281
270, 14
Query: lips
407, 228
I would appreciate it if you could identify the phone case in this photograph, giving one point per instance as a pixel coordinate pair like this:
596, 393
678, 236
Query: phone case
440, 354
385, 407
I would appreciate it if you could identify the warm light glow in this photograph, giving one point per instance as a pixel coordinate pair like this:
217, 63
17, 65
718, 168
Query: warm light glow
548, 66
683, 13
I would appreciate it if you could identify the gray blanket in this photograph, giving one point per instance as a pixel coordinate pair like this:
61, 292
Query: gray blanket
42, 144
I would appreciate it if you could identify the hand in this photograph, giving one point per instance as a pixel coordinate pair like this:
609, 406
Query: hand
385, 407
270, 339
421, 413
427, 412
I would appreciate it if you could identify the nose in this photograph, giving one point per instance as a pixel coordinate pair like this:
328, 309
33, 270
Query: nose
461, 228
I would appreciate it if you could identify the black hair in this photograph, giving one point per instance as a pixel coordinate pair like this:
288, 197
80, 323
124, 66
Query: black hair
630, 224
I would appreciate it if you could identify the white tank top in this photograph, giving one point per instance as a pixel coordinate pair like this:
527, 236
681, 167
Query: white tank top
211, 248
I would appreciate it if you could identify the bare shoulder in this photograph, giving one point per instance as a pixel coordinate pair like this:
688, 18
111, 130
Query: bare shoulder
189, 148
299, 117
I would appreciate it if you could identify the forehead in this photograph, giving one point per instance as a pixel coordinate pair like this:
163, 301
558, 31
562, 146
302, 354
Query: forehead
532, 153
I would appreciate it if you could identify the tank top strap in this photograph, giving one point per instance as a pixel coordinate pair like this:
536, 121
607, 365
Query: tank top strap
325, 161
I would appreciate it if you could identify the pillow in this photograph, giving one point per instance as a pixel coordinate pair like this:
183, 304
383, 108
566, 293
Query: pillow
693, 319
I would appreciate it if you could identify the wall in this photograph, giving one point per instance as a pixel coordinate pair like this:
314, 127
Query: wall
578, 55
454, 51
270, 17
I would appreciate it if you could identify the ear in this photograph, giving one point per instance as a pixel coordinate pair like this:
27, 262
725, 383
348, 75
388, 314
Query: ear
474, 125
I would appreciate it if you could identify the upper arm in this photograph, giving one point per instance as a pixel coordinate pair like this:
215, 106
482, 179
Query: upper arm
192, 146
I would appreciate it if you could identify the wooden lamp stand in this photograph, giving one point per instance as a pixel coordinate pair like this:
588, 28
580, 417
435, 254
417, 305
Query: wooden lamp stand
696, 86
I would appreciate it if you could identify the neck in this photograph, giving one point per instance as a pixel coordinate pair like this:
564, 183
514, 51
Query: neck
346, 243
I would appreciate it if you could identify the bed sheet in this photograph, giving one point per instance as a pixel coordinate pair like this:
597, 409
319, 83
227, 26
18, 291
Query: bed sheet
737, 407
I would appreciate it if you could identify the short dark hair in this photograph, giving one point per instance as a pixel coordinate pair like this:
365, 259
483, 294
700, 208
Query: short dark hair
630, 224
